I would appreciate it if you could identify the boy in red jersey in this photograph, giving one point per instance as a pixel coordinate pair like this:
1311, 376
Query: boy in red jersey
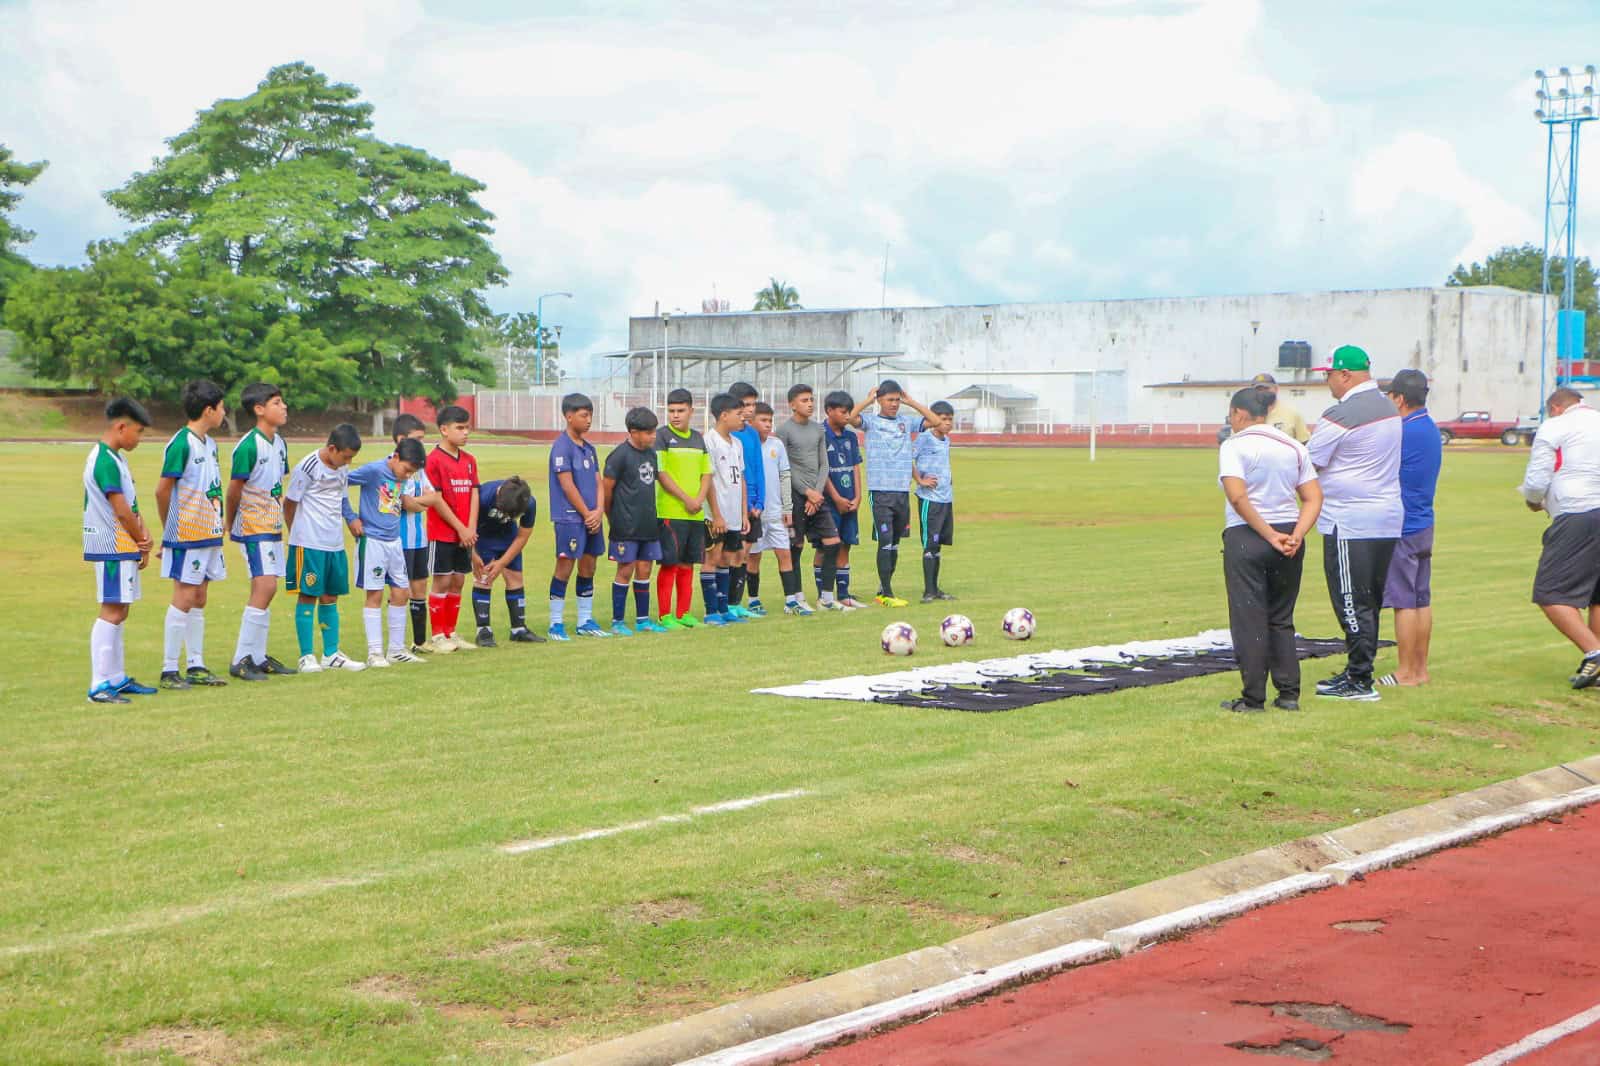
452, 528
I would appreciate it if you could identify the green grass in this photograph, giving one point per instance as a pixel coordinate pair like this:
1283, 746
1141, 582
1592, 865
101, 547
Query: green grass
306, 870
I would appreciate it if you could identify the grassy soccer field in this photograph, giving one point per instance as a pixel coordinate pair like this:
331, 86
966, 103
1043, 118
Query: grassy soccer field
307, 870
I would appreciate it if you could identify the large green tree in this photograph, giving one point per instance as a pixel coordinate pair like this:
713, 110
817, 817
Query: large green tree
1523, 268
14, 177
777, 296
380, 248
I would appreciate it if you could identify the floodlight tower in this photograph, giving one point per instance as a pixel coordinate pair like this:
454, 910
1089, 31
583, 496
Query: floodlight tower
1566, 101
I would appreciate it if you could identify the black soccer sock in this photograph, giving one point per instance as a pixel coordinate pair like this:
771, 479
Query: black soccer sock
930, 572
516, 606
419, 620
886, 560
752, 582
830, 569
737, 576
480, 607
791, 582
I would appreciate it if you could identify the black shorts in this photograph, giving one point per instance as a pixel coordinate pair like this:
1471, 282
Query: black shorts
813, 527
891, 517
449, 557
683, 542
1569, 565
754, 533
937, 524
731, 540
417, 565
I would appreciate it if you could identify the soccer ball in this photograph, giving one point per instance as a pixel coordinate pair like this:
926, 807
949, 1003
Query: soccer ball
1018, 623
957, 630
899, 638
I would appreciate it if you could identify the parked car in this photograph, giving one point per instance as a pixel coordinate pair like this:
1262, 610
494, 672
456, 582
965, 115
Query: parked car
1478, 425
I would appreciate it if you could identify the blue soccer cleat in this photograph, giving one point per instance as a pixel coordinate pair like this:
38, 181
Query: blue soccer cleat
620, 629
798, 607
558, 631
717, 620
130, 687
755, 608
591, 628
106, 692
650, 625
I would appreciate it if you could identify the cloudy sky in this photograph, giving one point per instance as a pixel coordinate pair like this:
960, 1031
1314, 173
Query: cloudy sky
642, 152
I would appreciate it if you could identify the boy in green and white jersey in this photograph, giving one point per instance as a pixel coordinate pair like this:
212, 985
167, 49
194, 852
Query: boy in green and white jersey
189, 497
117, 544
255, 522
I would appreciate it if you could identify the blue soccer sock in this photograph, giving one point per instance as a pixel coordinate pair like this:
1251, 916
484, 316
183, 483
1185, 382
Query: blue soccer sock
585, 591
481, 598
708, 588
328, 620
305, 625
724, 583
619, 601
842, 581
641, 599
558, 600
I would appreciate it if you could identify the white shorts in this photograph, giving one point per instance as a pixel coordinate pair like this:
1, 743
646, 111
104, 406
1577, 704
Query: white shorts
773, 536
116, 580
265, 558
193, 566
380, 563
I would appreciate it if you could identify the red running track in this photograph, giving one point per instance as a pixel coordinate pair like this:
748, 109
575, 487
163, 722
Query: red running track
1448, 960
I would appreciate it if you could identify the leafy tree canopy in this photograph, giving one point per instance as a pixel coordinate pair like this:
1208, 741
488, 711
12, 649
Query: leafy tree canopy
777, 297
14, 177
1522, 268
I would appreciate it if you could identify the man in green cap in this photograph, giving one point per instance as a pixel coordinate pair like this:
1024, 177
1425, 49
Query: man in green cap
1356, 450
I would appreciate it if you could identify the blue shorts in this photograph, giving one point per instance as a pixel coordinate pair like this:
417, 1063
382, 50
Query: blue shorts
634, 551
490, 550
849, 526
574, 540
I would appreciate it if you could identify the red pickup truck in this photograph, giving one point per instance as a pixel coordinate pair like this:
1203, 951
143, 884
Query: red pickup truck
1477, 425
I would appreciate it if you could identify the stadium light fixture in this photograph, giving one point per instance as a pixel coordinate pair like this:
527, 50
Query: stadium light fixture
1565, 102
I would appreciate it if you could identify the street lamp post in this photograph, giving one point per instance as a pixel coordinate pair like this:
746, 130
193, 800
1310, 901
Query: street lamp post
666, 353
538, 313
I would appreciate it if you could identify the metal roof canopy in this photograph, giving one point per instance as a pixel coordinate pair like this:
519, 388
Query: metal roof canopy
1001, 394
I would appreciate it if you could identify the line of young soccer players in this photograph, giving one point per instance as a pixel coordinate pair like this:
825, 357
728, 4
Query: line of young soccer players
424, 522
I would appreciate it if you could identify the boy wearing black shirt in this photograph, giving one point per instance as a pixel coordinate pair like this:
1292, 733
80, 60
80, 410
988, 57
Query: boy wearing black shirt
628, 498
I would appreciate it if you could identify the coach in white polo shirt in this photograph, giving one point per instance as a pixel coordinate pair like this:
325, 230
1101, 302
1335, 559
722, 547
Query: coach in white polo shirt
1273, 500
1563, 479
1356, 449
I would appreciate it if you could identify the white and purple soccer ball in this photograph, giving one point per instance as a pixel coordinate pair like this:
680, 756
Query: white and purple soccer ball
899, 638
957, 631
1017, 624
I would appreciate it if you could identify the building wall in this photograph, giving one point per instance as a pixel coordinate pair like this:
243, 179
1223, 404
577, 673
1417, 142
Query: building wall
1479, 347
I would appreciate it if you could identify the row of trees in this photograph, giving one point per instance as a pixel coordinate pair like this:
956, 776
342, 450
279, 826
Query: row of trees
277, 239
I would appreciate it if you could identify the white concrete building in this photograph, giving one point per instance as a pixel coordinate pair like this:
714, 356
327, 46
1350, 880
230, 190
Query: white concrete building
1048, 367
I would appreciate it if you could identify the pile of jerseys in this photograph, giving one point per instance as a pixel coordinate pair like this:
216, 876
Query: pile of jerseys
1041, 677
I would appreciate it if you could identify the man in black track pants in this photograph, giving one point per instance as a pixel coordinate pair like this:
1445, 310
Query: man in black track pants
1356, 449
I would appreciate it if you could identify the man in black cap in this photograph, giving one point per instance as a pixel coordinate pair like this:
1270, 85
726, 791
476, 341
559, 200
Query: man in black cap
1407, 588
1281, 415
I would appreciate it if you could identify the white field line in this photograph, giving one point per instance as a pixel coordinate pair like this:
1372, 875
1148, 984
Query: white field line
522, 847
172, 916
1542, 1039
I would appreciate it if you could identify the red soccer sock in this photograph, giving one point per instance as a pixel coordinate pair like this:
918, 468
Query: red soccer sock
452, 611
436, 609
664, 582
685, 577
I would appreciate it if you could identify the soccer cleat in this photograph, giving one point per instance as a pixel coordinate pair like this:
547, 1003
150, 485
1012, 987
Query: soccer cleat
400, 655
648, 625
1588, 671
734, 619
440, 644
340, 661
889, 601
525, 636
668, 623
1285, 704
377, 662
173, 680
246, 670
741, 613
1333, 682
591, 628
1242, 707
422, 649
798, 607
558, 631
941, 594
853, 604
1350, 690
309, 665
689, 621
486, 638
106, 692
129, 687
756, 609
716, 620
835, 605
460, 643
928, 597
199, 675
620, 629
269, 665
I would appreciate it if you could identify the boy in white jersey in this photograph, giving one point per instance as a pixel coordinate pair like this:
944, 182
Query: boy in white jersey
774, 534
729, 505
315, 510
420, 497
255, 522
189, 497
117, 544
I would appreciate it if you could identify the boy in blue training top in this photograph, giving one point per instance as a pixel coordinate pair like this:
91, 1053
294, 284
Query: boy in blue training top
749, 439
380, 559
506, 511
843, 497
935, 496
890, 434
575, 512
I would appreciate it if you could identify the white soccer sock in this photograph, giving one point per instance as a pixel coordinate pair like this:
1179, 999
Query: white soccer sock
102, 653
372, 619
196, 637
172, 635
398, 617
558, 609
585, 609
261, 627
119, 649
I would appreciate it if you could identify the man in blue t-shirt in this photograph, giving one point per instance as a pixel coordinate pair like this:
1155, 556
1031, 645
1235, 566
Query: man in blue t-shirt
1411, 570
890, 434
842, 497
755, 482
506, 511
575, 511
